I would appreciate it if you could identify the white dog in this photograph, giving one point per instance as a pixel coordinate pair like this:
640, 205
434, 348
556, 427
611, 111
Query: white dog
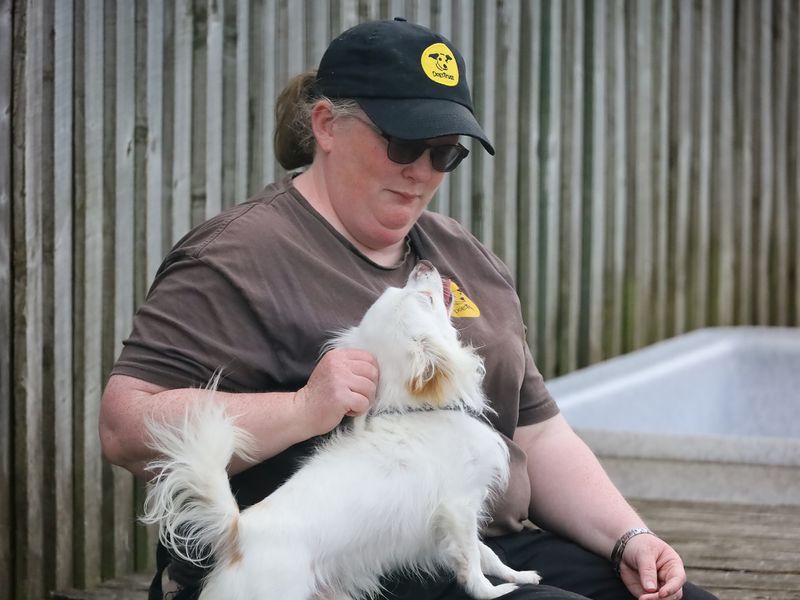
405, 488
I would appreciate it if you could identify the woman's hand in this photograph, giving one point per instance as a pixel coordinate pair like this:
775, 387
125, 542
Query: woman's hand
652, 570
343, 383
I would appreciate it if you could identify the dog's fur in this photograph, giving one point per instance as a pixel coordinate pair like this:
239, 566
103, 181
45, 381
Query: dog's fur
405, 488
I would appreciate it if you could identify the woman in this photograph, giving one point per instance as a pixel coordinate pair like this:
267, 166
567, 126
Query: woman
257, 290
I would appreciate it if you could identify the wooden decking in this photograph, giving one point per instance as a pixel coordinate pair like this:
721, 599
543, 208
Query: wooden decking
738, 552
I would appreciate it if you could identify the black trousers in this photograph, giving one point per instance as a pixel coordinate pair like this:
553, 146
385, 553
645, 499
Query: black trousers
568, 573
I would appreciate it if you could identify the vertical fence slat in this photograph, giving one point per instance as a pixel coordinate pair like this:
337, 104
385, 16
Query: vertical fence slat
598, 198
397, 8
442, 21
422, 12
63, 292
7, 534
551, 174
661, 168
460, 202
745, 185
702, 247
369, 9
154, 112
683, 130
152, 81
166, 138
619, 181
258, 78
279, 58
28, 280
118, 547
779, 239
270, 91
88, 368
642, 196
46, 167
124, 190
214, 107
572, 186
485, 71
724, 190
200, 161
319, 35
230, 103
242, 126
505, 214
766, 184
295, 41
182, 119
528, 283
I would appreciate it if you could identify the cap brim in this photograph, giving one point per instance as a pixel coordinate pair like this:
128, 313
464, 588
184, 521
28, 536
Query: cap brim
423, 118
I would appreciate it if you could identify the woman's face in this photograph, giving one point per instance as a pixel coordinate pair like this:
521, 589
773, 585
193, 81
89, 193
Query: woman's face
376, 200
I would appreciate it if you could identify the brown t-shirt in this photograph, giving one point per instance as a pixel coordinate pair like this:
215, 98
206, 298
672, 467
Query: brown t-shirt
258, 289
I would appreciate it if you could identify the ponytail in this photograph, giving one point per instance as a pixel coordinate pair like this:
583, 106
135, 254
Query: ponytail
294, 139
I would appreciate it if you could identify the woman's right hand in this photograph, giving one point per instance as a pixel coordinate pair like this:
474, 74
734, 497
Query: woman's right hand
343, 383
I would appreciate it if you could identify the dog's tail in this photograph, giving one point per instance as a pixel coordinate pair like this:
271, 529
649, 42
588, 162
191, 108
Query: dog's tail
189, 497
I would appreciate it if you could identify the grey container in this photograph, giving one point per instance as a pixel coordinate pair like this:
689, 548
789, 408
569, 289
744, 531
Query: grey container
712, 415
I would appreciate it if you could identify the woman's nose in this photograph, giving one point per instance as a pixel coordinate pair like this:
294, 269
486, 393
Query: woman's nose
421, 169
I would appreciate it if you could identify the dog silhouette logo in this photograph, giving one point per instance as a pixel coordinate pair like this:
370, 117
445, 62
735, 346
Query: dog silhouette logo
439, 64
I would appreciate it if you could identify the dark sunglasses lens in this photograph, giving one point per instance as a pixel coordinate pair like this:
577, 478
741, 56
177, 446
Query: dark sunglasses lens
404, 152
444, 158
447, 157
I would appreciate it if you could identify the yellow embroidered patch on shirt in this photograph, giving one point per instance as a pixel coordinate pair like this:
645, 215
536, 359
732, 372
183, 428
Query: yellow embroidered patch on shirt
462, 306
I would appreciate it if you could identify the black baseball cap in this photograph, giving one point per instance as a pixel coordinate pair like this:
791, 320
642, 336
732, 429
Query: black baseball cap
409, 80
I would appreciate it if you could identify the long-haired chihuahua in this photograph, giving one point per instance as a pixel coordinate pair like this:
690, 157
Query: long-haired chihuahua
406, 487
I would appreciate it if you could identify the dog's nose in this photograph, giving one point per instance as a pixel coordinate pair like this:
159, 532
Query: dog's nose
424, 266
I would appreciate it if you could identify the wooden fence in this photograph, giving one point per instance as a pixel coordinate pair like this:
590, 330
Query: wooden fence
646, 183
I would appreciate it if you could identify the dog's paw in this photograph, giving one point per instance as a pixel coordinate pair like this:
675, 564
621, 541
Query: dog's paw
527, 577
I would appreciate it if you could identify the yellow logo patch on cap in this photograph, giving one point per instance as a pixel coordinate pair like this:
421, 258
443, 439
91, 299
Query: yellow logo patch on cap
439, 64
462, 306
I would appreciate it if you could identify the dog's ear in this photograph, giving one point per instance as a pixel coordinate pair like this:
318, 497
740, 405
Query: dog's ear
431, 373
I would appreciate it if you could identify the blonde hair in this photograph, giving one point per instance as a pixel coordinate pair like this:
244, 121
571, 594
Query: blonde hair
294, 138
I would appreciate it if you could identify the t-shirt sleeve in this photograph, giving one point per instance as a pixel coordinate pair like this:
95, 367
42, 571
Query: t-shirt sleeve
535, 403
178, 337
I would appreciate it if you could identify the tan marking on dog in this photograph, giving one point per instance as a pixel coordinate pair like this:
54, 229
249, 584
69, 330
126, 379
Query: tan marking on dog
231, 548
433, 387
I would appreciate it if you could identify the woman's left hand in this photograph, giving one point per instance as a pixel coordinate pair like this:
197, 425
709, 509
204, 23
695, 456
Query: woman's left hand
652, 570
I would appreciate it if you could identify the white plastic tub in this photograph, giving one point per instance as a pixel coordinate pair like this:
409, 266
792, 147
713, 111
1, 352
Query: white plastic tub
712, 415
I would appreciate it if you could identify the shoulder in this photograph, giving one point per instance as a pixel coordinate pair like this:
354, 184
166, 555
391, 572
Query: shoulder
260, 212
274, 217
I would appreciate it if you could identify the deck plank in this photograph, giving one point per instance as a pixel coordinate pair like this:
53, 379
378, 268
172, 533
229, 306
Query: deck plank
739, 552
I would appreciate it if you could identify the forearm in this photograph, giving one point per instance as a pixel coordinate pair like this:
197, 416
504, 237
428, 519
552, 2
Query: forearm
571, 494
270, 418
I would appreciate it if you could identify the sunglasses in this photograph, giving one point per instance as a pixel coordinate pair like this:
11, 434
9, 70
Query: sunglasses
444, 157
